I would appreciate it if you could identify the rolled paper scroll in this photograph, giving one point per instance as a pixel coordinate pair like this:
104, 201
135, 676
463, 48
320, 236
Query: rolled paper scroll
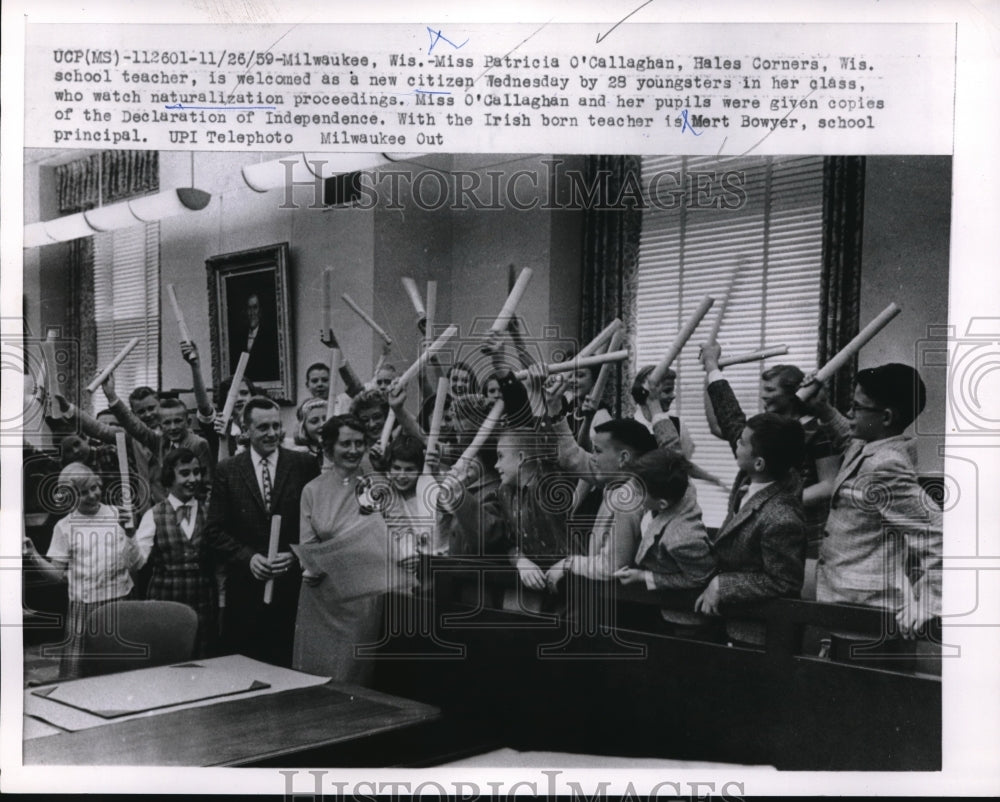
433, 348
387, 427
581, 362
327, 300
418, 303
123, 472
754, 356
332, 393
367, 318
844, 354
510, 305
185, 334
272, 552
114, 363
438, 417
595, 345
682, 337
594, 396
234, 388
492, 419
713, 333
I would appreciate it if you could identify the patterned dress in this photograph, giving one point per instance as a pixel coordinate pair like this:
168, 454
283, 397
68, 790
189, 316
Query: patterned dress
183, 571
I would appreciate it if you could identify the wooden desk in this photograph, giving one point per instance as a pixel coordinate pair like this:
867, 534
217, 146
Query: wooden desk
237, 732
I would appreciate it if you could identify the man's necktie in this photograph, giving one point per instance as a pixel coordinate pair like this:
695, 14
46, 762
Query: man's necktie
265, 479
184, 513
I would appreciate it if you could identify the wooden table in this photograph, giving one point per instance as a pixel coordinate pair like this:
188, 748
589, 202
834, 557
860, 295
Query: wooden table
236, 732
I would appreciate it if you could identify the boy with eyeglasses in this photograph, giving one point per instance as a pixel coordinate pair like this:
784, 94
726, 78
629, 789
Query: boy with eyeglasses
883, 529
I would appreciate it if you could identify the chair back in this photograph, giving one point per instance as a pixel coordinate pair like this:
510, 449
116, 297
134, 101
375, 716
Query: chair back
127, 635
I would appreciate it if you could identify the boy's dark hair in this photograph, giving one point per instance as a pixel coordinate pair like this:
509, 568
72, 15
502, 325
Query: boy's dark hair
779, 441
226, 383
897, 387
170, 462
316, 366
406, 449
370, 399
664, 474
106, 411
787, 377
628, 433
331, 429
256, 402
139, 393
592, 369
639, 392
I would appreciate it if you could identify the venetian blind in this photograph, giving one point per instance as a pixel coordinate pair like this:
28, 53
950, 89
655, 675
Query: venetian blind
690, 248
127, 303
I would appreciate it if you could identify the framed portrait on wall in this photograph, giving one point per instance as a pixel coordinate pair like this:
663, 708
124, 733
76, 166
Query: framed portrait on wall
249, 311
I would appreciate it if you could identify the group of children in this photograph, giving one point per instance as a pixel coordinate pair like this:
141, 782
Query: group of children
560, 489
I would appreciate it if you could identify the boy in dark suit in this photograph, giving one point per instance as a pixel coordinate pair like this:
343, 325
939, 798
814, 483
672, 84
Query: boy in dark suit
761, 546
249, 488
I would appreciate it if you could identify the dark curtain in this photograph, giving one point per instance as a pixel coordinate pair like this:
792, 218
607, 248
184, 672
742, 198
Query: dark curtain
840, 291
109, 176
610, 261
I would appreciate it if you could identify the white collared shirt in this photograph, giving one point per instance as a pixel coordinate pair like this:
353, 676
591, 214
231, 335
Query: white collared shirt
752, 489
146, 533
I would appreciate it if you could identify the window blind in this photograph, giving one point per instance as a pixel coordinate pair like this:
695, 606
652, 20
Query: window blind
690, 248
127, 303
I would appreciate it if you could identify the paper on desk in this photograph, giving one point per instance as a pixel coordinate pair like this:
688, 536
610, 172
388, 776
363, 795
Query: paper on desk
235, 665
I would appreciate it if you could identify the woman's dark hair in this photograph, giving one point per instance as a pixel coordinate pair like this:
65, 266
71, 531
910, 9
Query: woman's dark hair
330, 432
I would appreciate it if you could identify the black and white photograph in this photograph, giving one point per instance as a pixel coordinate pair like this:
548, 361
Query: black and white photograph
358, 463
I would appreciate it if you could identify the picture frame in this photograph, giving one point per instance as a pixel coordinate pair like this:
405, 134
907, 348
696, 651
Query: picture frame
248, 294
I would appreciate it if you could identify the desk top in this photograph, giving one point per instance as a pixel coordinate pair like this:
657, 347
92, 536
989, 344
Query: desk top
236, 732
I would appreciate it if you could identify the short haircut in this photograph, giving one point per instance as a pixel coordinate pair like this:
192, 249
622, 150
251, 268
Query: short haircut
68, 444
172, 403
628, 433
139, 393
779, 441
174, 458
387, 366
406, 449
226, 383
897, 387
316, 366
534, 445
638, 391
664, 474
76, 474
257, 402
106, 411
787, 377
330, 432
301, 414
370, 399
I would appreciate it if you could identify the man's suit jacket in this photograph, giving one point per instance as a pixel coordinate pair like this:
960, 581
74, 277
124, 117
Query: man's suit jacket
237, 509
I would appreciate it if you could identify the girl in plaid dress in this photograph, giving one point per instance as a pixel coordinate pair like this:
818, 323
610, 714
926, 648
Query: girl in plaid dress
93, 552
171, 537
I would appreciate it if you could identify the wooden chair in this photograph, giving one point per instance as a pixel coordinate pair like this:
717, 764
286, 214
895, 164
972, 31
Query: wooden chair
127, 635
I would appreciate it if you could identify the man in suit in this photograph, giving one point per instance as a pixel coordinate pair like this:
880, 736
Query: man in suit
259, 337
250, 488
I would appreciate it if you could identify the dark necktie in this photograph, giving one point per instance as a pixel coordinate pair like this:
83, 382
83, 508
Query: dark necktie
184, 513
741, 494
265, 480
